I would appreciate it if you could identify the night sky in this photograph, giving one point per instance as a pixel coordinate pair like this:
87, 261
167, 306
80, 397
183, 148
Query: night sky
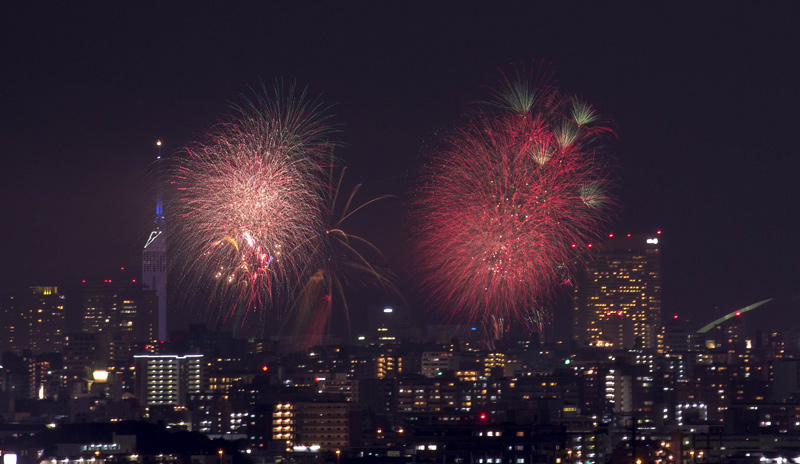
704, 102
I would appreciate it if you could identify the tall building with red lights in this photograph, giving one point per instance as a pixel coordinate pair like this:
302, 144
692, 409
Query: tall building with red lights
154, 259
618, 296
120, 309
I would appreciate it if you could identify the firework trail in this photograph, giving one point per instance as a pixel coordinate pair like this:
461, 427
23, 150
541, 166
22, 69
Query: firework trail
504, 202
250, 200
346, 261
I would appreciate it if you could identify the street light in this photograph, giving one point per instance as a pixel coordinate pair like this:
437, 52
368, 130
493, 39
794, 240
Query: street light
338, 455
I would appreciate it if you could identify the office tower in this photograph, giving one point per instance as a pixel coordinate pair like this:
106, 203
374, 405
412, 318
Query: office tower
154, 259
109, 305
45, 319
118, 308
33, 319
618, 296
167, 379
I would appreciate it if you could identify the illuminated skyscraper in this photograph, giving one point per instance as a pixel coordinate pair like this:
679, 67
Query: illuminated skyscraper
618, 297
117, 308
45, 319
154, 259
33, 319
167, 379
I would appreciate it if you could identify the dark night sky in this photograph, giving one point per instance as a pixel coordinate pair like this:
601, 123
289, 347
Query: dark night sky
705, 102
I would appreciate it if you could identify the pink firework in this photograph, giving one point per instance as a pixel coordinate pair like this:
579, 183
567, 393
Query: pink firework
249, 208
503, 201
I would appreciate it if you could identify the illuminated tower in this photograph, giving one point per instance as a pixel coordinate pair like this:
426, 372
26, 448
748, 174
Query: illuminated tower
618, 297
154, 258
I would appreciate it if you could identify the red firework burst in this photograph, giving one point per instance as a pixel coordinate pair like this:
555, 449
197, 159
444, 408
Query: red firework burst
503, 201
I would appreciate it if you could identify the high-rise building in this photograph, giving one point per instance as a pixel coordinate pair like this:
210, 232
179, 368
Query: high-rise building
101, 306
119, 308
167, 379
618, 296
45, 319
33, 319
154, 259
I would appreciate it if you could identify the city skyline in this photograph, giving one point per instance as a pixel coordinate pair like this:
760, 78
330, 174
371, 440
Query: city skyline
701, 101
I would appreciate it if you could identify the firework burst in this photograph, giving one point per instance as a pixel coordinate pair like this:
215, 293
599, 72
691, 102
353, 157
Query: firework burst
250, 202
346, 262
503, 201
